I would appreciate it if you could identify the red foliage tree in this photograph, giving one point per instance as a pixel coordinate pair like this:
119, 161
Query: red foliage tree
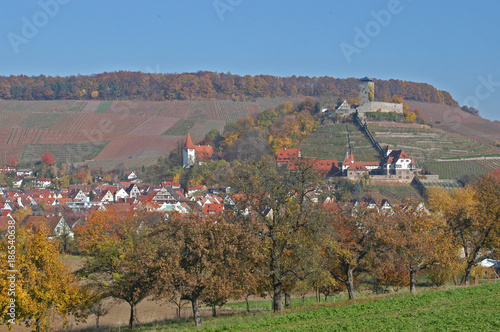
47, 158
12, 162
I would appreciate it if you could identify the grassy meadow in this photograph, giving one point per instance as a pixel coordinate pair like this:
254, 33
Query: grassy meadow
456, 309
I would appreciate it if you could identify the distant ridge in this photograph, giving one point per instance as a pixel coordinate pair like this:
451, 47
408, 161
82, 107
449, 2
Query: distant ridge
205, 85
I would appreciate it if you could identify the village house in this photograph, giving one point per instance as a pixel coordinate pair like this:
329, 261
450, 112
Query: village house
133, 191
7, 169
194, 189
55, 225
24, 172
287, 157
42, 183
395, 166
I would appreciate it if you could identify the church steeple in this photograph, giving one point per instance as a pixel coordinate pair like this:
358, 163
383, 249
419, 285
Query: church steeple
189, 143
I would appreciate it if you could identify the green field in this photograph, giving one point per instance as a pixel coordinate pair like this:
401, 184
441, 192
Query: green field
39, 120
455, 169
103, 106
457, 309
428, 144
331, 142
181, 128
66, 153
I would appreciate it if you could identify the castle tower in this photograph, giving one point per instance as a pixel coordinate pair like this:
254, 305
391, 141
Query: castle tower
366, 90
188, 153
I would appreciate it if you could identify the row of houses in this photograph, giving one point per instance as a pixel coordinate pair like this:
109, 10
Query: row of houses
395, 166
77, 202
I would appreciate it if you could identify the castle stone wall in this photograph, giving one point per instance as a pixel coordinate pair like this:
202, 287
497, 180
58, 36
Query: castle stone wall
375, 106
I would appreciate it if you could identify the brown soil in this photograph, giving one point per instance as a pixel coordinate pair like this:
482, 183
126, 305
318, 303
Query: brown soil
454, 120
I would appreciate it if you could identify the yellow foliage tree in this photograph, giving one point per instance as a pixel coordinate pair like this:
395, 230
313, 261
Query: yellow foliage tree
22, 213
410, 116
44, 286
473, 218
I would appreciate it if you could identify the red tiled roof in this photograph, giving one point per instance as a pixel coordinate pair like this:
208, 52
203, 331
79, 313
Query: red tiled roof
359, 166
170, 184
204, 152
349, 159
49, 222
325, 165
395, 155
196, 186
285, 154
213, 208
4, 222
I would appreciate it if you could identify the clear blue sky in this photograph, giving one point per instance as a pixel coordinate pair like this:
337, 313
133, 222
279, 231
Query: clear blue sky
451, 44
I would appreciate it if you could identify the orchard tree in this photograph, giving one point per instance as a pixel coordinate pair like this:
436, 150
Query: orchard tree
12, 162
280, 204
350, 242
210, 255
418, 238
44, 285
123, 261
472, 214
48, 159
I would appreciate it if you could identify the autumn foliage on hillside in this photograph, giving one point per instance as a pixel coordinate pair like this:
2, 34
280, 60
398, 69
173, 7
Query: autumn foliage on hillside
205, 85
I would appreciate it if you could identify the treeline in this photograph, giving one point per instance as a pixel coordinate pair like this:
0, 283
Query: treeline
205, 85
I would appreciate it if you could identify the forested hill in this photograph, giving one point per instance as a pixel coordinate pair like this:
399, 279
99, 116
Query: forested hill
205, 85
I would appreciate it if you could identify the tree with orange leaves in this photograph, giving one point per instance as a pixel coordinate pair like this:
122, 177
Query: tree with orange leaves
12, 162
211, 259
282, 209
349, 242
123, 260
417, 238
48, 159
472, 215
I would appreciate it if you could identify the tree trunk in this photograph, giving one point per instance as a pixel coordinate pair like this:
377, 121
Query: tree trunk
196, 311
467, 274
214, 311
413, 282
131, 321
277, 300
287, 300
248, 304
39, 324
303, 298
97, 322
326, 297
350, 284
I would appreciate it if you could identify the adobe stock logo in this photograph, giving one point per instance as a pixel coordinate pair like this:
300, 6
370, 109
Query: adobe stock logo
222, 6
372, 29
483, 91
30, 28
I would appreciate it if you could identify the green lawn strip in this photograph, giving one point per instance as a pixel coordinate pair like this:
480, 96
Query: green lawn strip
181, 127
63, 152
464, 309
470, 308
103, 106
39, 120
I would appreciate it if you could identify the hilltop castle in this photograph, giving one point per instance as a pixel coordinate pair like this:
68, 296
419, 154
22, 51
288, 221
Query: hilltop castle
367, 93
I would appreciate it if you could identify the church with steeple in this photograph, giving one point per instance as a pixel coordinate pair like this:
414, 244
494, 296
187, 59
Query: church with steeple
195, 154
